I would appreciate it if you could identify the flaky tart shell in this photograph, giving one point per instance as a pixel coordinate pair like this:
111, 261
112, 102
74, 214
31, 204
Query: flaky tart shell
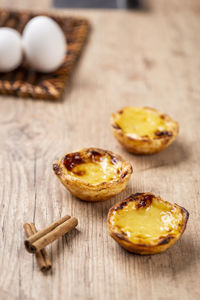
143, 244
89, 191
145, 144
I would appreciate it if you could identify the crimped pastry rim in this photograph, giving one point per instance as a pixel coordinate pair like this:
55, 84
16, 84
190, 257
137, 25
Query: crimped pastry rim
99, 186
163, 240
120, 131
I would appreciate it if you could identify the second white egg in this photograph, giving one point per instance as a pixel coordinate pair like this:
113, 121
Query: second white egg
44, 44
11, 52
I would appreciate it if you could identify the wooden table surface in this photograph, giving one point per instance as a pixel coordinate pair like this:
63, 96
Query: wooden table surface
132, 58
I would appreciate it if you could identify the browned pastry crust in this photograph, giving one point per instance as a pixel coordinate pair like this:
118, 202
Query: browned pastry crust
147, 144
88, 191
146, 246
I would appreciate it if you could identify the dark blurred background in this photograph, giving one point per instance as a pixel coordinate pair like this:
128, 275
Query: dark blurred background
118, 4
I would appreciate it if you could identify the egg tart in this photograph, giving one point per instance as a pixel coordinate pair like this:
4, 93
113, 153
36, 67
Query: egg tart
93, 174
143, 130
146, 224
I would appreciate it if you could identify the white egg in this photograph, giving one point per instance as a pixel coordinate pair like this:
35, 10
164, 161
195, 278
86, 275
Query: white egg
11, 52
44, 44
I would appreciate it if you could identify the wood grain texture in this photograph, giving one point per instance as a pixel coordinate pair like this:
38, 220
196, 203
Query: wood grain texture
147, 58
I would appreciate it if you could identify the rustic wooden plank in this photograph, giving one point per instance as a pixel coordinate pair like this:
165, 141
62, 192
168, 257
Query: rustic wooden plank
149, 58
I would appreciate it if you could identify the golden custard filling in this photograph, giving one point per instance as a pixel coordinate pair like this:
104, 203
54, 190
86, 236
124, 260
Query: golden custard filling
141, 122
93, 169
143, 223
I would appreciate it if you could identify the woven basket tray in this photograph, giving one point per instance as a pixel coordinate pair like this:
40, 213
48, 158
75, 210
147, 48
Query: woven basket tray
24, 82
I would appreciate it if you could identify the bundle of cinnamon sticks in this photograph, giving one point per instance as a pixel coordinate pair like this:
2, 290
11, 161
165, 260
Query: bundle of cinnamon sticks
37, 241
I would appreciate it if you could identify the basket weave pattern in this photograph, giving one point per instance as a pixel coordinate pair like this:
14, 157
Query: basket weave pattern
24, 82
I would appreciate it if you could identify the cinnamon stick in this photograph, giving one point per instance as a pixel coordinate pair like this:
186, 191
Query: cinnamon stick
51, 233
42, 232
42, 257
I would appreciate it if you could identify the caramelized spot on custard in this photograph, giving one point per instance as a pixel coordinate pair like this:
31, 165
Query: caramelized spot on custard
56, 169
79, 173
92, 166
124, 174
114, 159
165, 240
116, 126
163, 133
71, 160
121, 205
135, 197
121, 236
95, 155
123, 233
145, 201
